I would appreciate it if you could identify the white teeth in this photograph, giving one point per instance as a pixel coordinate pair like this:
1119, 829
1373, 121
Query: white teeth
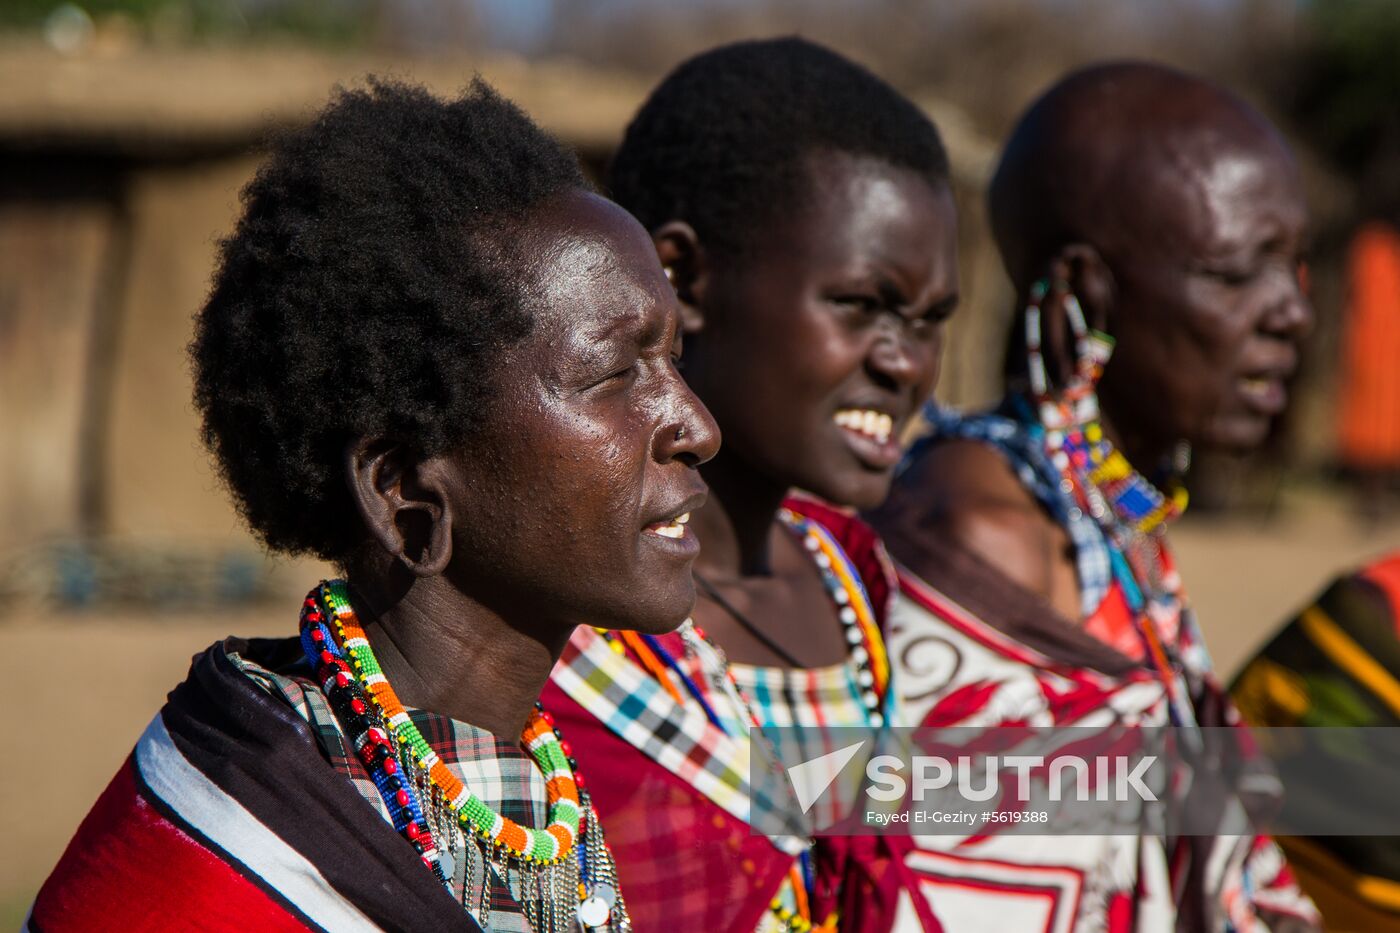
675, 528
874, 424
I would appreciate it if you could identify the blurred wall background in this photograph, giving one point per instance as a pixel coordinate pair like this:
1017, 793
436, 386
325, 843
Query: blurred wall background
127, 128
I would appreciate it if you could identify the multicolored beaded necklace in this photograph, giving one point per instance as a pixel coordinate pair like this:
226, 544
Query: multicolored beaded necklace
1131, 510
562, 876
842, 580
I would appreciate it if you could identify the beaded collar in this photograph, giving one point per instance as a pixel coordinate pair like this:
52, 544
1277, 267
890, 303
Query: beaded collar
556, 891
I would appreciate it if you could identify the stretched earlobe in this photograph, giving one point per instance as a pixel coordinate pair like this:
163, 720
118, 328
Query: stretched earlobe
1067, 336
684, 262
402, 502
438, 554
1089, 277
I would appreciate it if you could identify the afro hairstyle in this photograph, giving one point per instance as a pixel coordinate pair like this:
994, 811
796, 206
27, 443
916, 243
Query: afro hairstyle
721, 143
363, 293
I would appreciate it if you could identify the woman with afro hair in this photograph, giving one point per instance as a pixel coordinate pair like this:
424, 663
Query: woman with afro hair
802, 210
433, 357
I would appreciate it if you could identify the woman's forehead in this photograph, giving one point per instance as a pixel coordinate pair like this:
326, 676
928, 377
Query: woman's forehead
578, 236
857, 205
1207, 199
592, 270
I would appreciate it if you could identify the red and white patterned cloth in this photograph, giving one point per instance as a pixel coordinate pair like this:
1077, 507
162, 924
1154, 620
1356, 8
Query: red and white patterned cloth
1000, 656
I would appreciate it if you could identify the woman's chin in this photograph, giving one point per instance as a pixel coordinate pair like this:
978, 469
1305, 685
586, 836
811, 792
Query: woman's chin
1236, 436
859, 490
660, 615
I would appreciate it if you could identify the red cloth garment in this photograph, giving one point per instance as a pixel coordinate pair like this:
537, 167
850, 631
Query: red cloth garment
685, 862
672, 790
128, 853
227, 816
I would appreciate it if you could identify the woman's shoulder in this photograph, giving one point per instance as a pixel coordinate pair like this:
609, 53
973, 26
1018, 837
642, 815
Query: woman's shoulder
975, 473
967, 492
961, 473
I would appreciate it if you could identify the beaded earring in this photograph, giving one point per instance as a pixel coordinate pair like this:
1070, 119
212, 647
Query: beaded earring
1130, 510
1074, 403
1074, 437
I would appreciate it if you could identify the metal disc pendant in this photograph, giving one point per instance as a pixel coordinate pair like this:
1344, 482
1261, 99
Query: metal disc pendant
449, 865
593, 911
604, 892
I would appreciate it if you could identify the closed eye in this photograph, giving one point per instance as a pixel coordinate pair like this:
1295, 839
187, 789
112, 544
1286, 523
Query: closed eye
927, 324
1232, 277
616, 377
941, 311
867, 304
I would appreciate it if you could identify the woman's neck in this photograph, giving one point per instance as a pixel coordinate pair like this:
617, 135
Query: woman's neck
1142, 453
735, 526
447, 654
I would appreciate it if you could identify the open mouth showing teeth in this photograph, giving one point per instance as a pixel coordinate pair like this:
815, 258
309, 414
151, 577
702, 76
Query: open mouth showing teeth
875, 425
1265, 394
675, 528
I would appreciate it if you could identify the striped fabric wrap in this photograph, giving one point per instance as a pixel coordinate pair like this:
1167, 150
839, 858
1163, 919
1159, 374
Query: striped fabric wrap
819, 697
1337, 664
224, 818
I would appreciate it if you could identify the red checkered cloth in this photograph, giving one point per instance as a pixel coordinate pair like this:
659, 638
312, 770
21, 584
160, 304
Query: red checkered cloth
497, 770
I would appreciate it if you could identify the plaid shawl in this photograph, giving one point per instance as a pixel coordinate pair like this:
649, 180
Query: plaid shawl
497, 769
223, 818
673, 791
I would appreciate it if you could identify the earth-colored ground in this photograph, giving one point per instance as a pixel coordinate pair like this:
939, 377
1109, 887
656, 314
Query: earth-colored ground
93, 682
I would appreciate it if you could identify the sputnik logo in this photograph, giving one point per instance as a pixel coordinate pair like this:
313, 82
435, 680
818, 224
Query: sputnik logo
810, 779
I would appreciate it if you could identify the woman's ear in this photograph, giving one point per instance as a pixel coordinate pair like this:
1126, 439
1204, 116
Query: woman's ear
1086, 272
678, 247
1076, 271
403, 501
